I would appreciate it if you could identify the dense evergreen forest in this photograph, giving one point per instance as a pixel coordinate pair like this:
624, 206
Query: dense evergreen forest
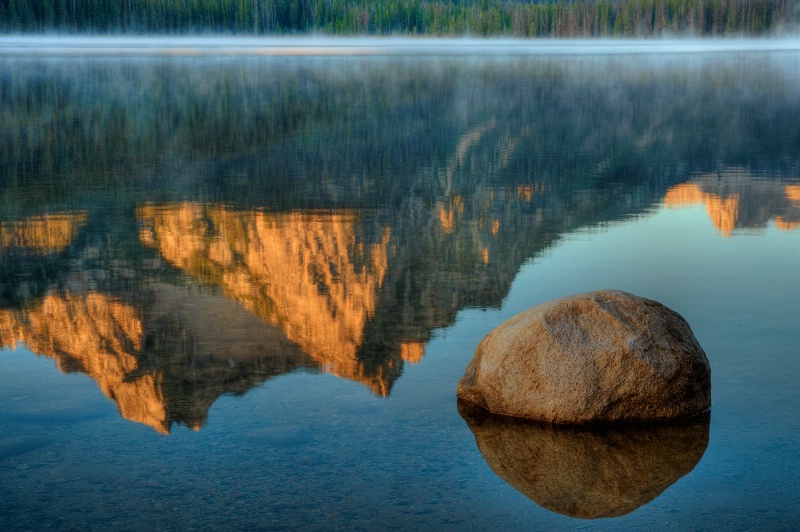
519, 18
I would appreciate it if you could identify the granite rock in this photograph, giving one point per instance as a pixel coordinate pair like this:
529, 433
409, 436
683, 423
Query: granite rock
605, 356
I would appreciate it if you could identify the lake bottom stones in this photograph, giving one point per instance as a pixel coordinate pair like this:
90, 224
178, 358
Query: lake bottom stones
600, 357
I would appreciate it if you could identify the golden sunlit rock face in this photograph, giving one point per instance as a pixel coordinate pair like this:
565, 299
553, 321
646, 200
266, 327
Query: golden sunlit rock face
97, 336
793, 194
412, 352
784, 225
722, 211
305, 273
736, 199
448, 212
220, 348
45, 234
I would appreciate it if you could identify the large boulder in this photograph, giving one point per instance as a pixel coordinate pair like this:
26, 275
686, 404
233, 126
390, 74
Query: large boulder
605, 356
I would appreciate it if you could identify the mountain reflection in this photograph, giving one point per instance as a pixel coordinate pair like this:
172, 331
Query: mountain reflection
163, 361
734, 199
209, 224
48, 233
305, 273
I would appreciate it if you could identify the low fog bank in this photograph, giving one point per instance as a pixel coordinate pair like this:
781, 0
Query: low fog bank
321, 46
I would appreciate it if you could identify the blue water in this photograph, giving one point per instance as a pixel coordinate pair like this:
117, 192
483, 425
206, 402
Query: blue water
401, 185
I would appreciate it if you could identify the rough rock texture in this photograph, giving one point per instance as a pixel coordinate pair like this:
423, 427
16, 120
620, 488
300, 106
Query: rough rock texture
606, 356
588, 472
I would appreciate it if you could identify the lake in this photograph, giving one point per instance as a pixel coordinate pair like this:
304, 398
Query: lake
240, 279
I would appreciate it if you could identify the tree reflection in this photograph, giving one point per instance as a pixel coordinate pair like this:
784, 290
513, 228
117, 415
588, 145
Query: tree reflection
182, 229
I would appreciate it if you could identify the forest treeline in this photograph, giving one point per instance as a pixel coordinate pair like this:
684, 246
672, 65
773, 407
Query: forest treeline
526, 18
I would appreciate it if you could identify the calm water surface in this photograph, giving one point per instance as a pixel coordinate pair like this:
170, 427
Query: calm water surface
238, 290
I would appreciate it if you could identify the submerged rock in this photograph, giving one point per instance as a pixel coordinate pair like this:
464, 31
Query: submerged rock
606, 356
588, 473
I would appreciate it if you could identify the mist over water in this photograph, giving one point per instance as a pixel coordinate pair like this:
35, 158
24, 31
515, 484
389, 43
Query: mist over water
276, 46
240, 278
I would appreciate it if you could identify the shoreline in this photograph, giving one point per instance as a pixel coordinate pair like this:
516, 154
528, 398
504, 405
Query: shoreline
87, 45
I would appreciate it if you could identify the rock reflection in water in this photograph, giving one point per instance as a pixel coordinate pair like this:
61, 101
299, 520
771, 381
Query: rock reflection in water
217, 223
164, 360
588, 472
48, 233
734, 199
305, 273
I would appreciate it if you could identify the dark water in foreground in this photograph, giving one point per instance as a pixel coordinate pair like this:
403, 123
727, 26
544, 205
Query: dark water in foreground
239, 291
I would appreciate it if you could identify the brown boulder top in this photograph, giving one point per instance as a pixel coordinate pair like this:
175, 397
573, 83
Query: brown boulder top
605, 356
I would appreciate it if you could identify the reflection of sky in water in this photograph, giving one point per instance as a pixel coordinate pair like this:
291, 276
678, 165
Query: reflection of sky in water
313, 449
740, 298
261, 316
